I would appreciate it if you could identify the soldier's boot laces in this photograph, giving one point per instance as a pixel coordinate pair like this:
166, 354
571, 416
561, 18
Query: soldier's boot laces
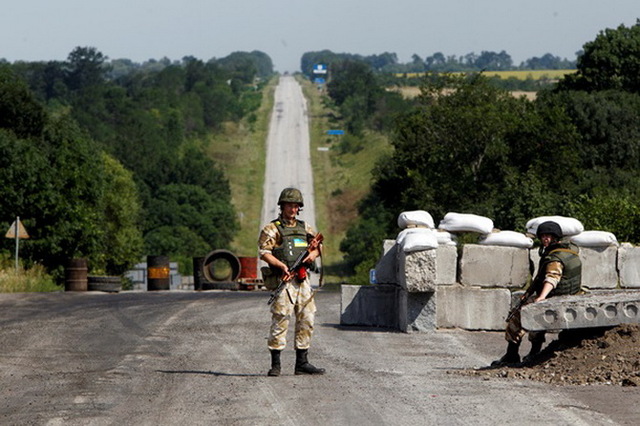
275, 363
303, 366
511, 357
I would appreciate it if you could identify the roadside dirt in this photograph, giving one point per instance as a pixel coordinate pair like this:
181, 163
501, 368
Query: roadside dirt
597, 356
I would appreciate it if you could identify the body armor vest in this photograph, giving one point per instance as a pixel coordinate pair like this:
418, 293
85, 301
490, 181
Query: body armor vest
571, 269
294, 242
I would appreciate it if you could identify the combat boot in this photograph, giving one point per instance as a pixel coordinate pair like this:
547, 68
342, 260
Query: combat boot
275, 363
303, 366
511, 357
535, 349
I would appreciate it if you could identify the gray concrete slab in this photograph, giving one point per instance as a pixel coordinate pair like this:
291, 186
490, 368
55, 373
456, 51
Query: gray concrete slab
597, 309
494, 266
629, 266
387, 266
369, 305
472, 308
417, 311
446, 265
417, 270
599, 267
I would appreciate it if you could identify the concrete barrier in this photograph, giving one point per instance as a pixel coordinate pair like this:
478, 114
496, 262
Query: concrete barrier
387, 266
597, 309
629, 266
446, 265
417, 311
417, 271
472, 308
370, 305
599, 267
494, 266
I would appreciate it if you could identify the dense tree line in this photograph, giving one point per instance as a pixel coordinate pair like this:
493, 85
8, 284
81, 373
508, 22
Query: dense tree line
107, 160
573, 151
438, 62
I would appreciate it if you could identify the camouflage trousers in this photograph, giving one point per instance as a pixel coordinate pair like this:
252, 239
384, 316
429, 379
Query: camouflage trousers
296, 299
514, 332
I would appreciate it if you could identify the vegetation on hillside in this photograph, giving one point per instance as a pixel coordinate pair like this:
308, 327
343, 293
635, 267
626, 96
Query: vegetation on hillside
110, 166
474, 148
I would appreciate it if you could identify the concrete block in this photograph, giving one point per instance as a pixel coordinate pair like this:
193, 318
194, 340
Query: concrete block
494, 266
417, 311
597, 309
370, 305
446, 265
599, 267
417, 271
387, 266
629, 266
472, 308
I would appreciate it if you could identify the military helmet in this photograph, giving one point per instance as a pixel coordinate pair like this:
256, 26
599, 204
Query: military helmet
291, 195
549, 227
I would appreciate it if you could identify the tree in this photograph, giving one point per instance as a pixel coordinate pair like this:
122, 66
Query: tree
610, 62
85, 68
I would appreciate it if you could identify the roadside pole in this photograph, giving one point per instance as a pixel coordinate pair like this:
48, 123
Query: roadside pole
17, 231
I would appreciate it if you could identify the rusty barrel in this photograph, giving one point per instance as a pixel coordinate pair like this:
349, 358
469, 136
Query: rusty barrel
158, 273
248, 267
75, 275
198, 273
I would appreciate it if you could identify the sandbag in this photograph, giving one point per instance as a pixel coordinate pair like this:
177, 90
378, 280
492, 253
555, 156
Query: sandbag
403, 234
569, 225
507, 239
446, 238
415, 218
417, 239
594, 239
464, 222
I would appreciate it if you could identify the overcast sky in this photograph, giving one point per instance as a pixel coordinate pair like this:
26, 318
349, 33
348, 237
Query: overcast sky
39, 30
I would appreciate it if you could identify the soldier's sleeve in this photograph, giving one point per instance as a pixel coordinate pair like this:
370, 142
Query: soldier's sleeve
267, 240
553, 274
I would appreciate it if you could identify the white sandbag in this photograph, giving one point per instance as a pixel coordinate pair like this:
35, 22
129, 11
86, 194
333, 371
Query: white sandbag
569, 225
417, 241
594, 239
507, 239
419, 218
403, 234
464, 222
446, 238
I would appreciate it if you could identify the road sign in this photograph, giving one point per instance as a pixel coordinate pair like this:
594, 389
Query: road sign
22, 232
335, 132
319, 69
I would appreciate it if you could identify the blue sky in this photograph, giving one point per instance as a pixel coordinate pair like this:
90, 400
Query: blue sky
35, 30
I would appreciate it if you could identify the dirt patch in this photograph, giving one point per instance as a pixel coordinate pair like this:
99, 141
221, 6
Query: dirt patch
583, 357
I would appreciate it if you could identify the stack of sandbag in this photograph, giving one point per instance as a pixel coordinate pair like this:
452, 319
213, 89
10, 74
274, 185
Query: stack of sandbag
506, 239
417, 231
569, 225
594, 239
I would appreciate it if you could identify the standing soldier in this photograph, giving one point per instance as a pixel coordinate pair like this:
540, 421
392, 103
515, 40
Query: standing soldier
559, 273
280, 243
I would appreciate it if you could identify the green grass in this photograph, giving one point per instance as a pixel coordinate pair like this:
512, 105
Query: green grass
240, 149
23, 280
340, 179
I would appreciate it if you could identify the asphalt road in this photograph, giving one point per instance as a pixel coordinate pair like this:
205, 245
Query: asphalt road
200, 358
288, 162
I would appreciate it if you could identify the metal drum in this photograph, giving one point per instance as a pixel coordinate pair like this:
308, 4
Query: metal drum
158, 273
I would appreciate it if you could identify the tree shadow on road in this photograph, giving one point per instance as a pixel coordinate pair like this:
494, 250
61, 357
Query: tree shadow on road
211, 373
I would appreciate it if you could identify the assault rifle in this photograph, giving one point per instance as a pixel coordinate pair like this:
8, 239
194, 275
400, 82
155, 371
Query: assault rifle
521, 303
293, 270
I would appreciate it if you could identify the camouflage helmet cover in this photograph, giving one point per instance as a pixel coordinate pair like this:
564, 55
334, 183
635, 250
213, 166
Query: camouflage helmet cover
291, 195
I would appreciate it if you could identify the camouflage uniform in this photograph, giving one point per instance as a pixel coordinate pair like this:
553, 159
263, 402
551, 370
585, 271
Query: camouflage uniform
297, 298
553, 271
